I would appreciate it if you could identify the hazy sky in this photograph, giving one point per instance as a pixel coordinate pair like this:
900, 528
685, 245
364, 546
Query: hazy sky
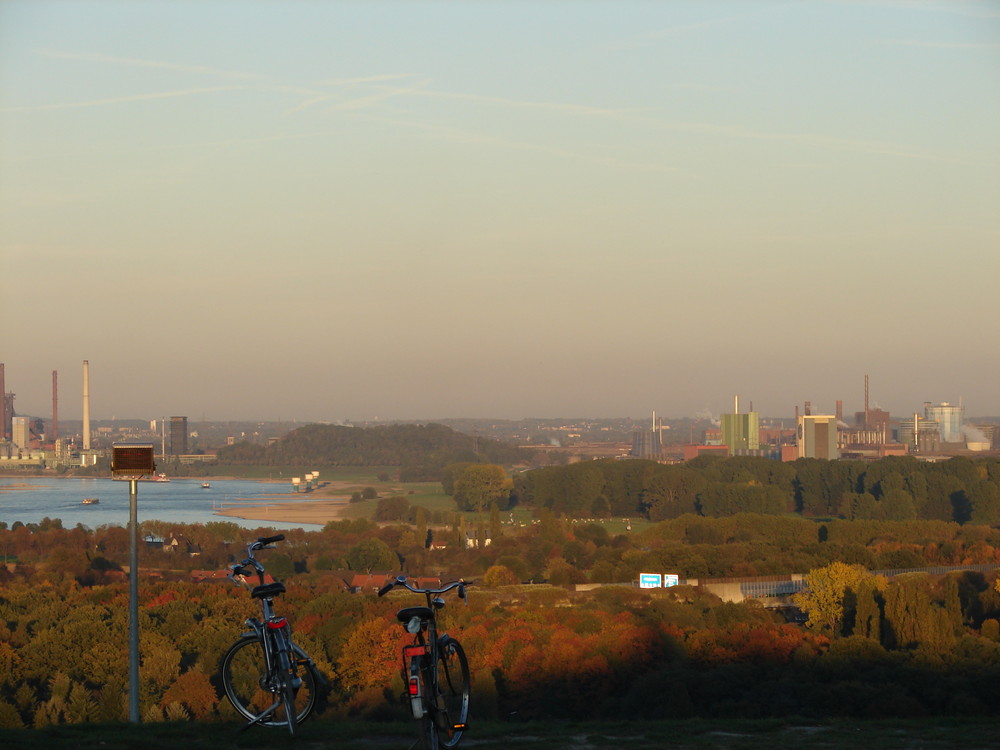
417, 210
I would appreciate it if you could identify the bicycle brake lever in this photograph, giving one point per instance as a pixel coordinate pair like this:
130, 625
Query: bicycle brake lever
239, 580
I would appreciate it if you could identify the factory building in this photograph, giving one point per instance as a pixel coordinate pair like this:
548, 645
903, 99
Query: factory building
21, 432
950, 419
817, 436
178, 436
741, 432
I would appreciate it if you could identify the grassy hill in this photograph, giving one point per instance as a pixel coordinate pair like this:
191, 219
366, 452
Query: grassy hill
927, 734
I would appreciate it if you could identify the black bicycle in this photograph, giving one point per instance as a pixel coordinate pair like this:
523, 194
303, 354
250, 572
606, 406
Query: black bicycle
270, 680
435, 670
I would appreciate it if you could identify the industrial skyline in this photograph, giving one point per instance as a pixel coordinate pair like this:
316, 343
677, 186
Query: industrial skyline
950, 414
381, 210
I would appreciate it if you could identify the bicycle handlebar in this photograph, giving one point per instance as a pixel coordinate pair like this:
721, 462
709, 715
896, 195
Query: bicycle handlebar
266, 540
239, 569
401, 581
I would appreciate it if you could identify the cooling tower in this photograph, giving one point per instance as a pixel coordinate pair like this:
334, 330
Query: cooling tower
55, 405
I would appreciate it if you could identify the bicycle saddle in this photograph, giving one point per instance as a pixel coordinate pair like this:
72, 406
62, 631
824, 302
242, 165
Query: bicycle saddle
267, 590
408, 613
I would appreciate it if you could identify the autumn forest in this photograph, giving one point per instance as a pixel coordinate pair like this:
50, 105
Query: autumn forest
554, 626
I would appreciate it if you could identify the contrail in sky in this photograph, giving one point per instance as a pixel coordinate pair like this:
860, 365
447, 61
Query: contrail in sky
120, 99
138, 63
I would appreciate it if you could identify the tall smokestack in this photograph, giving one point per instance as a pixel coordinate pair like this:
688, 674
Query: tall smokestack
55, 406
866, 402
736, 404
3, 406
86, 405
840, 410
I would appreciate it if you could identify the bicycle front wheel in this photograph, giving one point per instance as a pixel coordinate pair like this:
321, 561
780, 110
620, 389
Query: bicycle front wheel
449, 704
259, 694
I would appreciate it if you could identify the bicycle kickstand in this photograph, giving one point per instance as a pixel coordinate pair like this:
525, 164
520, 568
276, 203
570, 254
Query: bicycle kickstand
261, 717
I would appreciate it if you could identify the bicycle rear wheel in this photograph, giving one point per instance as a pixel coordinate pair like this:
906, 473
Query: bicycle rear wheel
260, 697
448, 709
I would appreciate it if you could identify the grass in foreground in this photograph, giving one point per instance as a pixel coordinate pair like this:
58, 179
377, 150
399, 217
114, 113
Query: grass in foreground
764, 734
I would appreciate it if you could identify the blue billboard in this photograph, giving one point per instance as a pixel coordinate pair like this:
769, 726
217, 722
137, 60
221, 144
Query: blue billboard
650, 580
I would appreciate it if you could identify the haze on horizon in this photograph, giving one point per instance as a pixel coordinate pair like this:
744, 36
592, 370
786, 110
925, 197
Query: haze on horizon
342, 211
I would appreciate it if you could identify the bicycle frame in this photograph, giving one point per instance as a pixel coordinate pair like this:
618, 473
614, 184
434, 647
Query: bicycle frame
423, 660
270, 624
282, 657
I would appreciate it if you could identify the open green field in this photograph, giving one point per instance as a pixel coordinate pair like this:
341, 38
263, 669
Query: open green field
926, 734
343, 481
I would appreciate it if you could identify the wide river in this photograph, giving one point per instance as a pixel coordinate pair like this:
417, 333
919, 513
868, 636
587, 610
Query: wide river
29, 500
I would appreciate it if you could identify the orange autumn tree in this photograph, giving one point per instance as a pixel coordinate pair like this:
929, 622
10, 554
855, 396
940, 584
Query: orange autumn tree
370, 661
195, 692
751, 643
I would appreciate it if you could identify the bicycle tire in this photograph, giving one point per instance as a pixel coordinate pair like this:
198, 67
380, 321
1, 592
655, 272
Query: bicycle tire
245, 680
428, 735
448, 704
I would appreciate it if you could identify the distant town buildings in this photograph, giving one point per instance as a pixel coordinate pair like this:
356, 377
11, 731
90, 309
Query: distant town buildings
940, 431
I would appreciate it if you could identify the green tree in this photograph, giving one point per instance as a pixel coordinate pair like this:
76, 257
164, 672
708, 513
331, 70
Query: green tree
280, 566
912, 617
480, 485
671, 492
859, 506
581, 487
392, 508
897, 504
867, 609
984, 499
371, 554
499, 575
943, 493
450, 473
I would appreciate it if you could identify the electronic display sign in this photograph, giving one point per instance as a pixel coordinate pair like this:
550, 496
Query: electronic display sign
132, 459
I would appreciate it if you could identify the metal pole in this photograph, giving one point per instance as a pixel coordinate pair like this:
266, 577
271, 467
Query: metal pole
133, 604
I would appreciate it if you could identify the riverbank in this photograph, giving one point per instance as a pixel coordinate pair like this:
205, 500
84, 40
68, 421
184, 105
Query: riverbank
318, 512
